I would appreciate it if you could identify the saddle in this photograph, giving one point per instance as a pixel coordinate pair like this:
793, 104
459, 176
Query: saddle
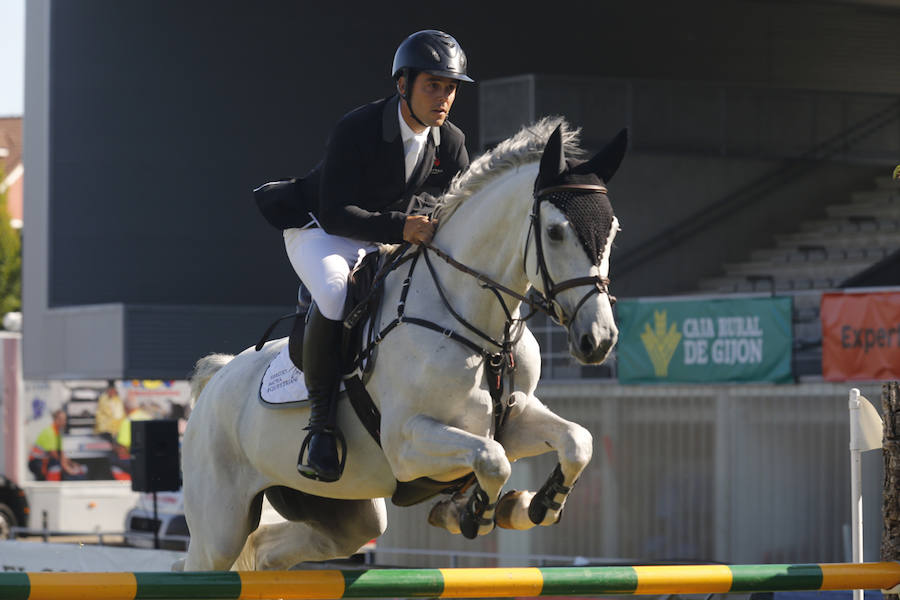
363, 300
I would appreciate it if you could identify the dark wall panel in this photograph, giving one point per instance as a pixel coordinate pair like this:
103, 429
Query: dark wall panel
165, 114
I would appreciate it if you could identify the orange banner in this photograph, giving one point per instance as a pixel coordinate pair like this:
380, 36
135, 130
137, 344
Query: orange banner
861, 336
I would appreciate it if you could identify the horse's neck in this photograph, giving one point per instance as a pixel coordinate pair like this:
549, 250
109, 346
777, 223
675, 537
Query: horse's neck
487, 233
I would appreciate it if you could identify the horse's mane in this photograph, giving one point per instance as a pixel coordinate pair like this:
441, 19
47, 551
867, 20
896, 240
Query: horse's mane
524, 147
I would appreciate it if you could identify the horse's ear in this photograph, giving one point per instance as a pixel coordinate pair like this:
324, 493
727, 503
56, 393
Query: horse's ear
553, 162
606, 162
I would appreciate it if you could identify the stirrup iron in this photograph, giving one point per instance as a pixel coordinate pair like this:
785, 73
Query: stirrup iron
310, 473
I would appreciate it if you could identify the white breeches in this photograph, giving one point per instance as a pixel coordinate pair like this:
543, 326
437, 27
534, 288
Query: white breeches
323, 262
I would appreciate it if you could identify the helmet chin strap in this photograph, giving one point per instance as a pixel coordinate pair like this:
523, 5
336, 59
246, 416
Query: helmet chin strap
406, 96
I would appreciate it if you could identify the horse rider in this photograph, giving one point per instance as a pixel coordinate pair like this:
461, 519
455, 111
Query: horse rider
380, 156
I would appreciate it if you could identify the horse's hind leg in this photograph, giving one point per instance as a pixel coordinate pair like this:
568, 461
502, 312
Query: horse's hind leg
329, 529
536, 430
220, 516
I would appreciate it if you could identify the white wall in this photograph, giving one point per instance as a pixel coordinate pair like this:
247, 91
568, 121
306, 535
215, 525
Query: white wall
10, 405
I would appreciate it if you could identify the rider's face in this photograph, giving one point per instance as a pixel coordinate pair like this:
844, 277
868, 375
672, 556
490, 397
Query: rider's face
432, 97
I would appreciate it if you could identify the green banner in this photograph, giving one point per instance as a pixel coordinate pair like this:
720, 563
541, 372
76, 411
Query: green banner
705, 341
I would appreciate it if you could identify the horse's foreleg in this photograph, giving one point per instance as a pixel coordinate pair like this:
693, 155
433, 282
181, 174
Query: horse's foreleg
437, 450
536, 430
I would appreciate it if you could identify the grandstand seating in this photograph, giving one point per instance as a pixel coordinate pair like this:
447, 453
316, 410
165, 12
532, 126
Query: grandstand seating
821, 255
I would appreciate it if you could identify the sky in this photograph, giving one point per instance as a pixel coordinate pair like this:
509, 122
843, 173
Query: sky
12, 57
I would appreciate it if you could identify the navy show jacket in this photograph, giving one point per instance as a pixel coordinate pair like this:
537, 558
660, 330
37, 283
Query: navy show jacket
361, 183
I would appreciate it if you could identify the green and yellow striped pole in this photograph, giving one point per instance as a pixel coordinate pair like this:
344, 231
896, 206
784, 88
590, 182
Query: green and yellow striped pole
450, 583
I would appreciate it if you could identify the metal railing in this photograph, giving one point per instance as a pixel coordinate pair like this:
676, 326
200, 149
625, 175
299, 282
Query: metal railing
45, 534
371, 555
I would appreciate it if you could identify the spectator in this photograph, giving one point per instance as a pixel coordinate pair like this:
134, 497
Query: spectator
110, 413
47, 461
121, 464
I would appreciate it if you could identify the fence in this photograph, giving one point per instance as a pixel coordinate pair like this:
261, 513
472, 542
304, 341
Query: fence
452, 583
731, 474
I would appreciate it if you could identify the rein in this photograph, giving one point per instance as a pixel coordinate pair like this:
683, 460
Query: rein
487, 282
546, 302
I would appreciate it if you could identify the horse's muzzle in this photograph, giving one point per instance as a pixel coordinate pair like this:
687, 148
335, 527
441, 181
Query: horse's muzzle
590, 348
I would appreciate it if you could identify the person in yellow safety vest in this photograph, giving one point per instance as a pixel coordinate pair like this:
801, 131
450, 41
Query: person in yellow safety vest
121, 467
47, 461
110, 413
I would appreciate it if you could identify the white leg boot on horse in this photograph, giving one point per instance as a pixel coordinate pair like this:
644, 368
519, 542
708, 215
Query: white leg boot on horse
322, 370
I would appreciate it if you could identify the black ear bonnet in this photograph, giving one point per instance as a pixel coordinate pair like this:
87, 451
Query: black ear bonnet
590, 213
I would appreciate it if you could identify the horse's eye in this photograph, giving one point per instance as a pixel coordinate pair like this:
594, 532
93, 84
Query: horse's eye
555, 233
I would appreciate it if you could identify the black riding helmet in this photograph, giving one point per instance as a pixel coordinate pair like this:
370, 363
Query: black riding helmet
430, 51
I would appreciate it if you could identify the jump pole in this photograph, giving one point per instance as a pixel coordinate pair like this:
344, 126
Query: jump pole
450, 583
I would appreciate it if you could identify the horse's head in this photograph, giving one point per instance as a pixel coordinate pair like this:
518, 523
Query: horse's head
573, 230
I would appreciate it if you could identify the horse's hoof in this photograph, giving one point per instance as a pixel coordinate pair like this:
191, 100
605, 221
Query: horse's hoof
503, 516
512, 510
444, 515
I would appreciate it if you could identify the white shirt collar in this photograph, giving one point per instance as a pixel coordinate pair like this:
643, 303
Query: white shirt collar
406, 132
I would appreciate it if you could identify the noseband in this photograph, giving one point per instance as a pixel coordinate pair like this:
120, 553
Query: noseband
552, 290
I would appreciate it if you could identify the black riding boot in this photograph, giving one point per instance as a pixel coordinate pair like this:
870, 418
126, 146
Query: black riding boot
295, 341
322, 365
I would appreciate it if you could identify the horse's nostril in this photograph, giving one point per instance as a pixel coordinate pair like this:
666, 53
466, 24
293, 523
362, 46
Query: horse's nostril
587, 344
605, 345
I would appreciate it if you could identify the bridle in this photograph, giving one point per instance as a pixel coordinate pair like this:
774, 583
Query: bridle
500, 362
551, 290
545, 302
546, 298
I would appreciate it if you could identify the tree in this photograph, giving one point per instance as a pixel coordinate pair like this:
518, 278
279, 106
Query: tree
10, 261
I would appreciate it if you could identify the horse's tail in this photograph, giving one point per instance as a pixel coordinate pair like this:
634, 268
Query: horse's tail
205, 368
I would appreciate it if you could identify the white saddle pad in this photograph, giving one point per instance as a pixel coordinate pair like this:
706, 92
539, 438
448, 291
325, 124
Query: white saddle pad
283, 384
